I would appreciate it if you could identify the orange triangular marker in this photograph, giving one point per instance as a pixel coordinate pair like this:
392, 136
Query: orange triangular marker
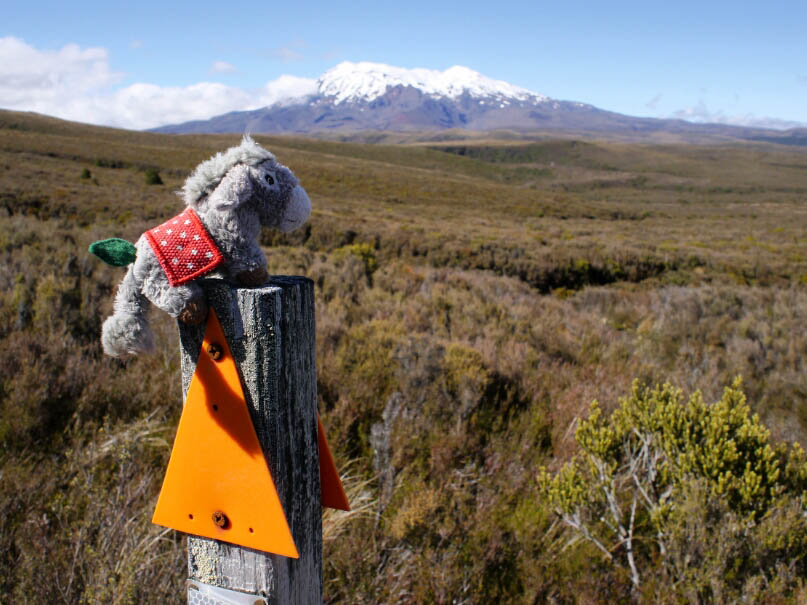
333, 494
217, 465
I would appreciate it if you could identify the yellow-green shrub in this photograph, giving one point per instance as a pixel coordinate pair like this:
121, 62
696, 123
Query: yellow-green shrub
658, 470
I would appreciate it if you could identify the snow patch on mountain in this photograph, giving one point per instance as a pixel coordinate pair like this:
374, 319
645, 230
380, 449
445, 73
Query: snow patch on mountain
365, 81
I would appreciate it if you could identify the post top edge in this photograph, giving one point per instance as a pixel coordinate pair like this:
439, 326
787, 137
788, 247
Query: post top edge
274, 283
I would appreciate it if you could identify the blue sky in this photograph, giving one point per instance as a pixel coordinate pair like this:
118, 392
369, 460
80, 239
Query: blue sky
160, 62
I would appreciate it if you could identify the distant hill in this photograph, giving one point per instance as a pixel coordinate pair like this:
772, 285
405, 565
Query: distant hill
355, 97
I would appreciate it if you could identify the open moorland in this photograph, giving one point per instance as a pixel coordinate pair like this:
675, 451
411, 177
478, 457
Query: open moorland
473, 297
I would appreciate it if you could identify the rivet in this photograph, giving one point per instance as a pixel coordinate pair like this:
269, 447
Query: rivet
215, 351
220, 519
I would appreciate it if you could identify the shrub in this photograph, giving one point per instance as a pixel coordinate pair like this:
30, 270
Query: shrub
153, 177
362, 251
696, 489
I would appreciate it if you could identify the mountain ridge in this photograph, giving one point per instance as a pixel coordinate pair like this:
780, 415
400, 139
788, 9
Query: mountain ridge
355, 97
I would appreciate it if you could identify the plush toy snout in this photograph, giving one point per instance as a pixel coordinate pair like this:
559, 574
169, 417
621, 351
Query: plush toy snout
298, 209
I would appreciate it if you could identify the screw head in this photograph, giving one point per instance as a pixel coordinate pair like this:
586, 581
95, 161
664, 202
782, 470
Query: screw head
220, 519
215, 351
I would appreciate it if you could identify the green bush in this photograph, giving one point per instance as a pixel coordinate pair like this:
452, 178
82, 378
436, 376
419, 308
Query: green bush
691, 492
153, 177
362, 251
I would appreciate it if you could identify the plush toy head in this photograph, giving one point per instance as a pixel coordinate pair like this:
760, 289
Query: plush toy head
228, 197
249, 174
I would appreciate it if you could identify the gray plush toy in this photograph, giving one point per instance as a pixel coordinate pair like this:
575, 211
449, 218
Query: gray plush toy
228, 198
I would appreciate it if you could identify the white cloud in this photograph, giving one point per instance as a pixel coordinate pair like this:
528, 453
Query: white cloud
701, 114
285, 89
40, 80
146, 105
287, 55
291, 52
222, 67
653, 103
78, 84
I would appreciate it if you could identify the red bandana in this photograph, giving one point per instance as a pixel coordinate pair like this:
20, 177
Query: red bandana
184, 248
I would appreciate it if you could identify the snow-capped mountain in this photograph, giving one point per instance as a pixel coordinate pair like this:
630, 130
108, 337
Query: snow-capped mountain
374, 96
365, 82
366, 96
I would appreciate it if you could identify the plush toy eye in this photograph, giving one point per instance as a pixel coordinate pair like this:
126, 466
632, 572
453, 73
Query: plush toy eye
270, 179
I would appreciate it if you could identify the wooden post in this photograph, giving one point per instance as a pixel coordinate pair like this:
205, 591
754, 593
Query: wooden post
270, 331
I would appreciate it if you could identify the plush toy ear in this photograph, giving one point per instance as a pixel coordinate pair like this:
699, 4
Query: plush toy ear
233, 190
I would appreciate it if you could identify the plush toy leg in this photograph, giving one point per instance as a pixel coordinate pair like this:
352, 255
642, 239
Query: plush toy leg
195, 312
127, 332
252, 279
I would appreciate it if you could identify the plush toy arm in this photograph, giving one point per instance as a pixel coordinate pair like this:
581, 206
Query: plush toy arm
174, 300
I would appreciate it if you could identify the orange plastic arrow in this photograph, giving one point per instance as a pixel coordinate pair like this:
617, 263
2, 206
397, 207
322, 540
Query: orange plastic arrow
218, 484
333, 494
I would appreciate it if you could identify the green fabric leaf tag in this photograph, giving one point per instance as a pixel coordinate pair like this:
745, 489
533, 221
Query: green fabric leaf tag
114, 251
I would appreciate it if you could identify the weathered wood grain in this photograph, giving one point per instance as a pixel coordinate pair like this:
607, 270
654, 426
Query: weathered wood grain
270, 331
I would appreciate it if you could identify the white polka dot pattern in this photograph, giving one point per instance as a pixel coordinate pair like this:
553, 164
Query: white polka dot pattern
183, 263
